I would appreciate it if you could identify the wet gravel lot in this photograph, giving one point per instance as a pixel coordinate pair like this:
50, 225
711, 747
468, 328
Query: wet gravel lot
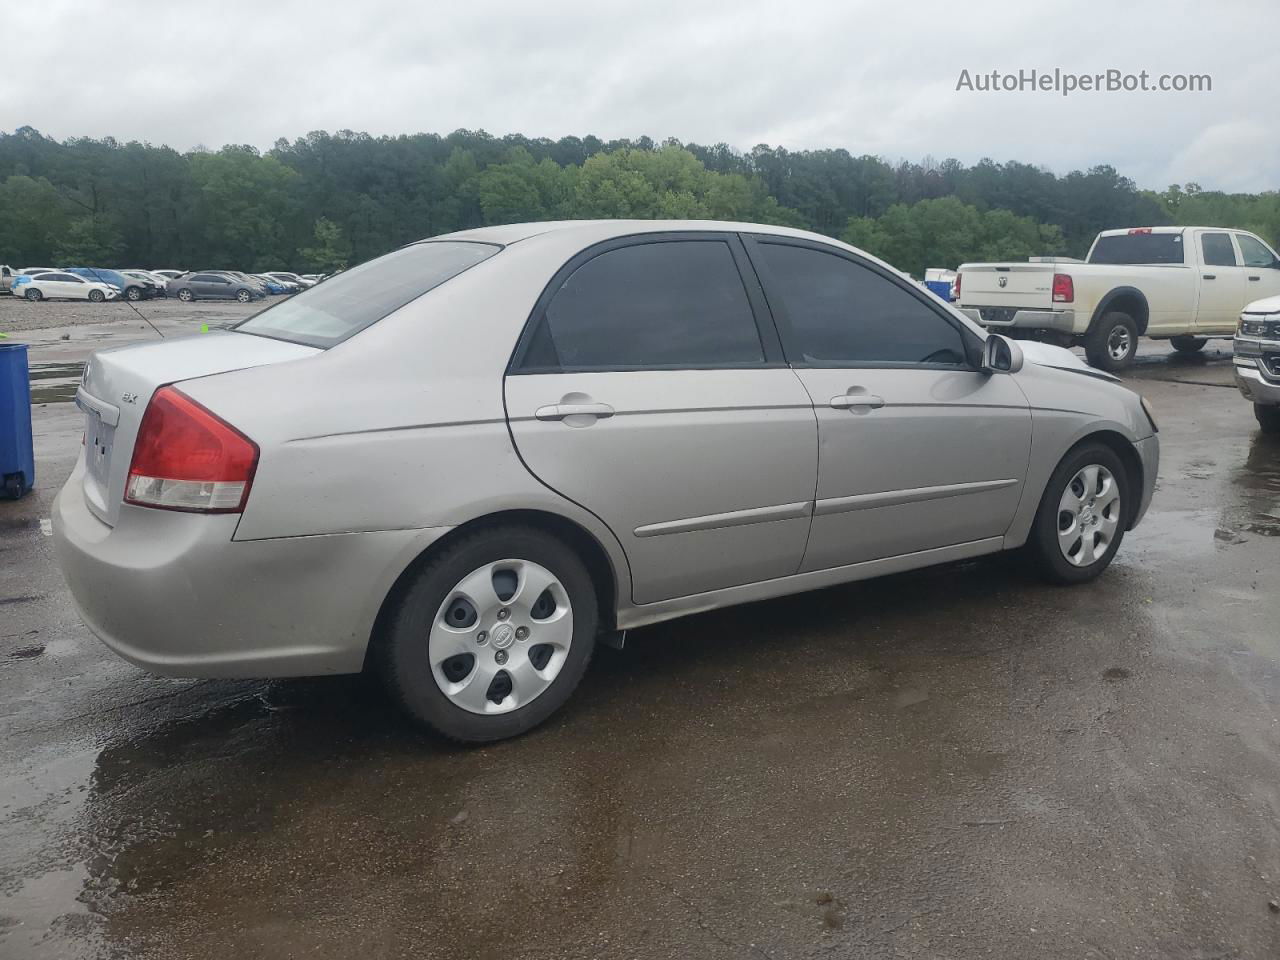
956, 763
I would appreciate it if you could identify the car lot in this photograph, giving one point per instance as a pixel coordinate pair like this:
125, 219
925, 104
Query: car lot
959, 762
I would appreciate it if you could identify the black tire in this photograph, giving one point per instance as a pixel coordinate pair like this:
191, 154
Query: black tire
401, 652
1188, 344
185, 295
132, 293
1043, 542
244, 296
34, 295
97, 296
1268, 417
1100, 342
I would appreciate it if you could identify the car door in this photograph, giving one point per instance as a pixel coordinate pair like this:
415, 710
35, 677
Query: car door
918, 449
1261, 268
60, 285
73, 287
1222, 284
649, 387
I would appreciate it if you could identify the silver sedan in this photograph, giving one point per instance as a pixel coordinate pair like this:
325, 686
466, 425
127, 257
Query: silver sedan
465, 463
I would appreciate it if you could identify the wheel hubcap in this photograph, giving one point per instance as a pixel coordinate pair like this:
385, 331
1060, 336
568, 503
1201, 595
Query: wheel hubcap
1118, 343
1088, 515
500, 637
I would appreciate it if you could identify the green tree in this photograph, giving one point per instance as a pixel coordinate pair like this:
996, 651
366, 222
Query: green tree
331, 251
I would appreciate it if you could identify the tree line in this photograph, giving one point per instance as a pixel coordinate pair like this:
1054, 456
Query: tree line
325, 200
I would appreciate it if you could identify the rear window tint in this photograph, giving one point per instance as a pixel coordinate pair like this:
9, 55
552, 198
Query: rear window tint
1138, 248
345, 304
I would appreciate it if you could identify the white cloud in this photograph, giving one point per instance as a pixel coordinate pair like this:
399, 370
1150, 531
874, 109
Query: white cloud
867, 76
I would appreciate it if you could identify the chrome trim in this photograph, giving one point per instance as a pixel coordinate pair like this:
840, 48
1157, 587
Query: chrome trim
892, 498
90, 404
734, 518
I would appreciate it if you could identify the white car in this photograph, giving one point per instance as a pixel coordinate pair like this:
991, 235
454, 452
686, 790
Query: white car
170, 274
66, 286
1182, 284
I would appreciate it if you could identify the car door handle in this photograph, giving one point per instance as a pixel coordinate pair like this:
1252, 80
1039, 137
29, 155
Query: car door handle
1255, 278
847, 401
1211, 276
558, 411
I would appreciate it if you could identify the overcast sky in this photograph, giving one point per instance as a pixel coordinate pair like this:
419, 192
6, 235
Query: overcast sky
872, 77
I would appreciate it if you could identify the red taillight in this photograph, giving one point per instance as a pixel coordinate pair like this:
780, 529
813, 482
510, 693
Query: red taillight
1139, 231
186, 458
958, 276
1064, 290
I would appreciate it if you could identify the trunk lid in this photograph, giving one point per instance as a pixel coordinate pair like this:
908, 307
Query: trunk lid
118, 384
1008, 285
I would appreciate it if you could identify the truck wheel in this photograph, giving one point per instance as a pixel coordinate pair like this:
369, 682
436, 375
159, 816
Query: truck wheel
1113, 341
1268, 417
1188, 344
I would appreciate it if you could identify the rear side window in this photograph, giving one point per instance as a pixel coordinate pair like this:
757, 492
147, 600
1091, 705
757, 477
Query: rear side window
677, 304
842, 313
1134, 248
345, 304
1218, 251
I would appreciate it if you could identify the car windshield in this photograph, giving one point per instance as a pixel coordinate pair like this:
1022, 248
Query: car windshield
1135, 248
342, 306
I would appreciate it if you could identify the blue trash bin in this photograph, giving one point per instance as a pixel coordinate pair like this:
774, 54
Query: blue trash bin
17, 454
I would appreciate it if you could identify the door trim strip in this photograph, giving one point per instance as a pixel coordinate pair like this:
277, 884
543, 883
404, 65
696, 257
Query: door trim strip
734, 518
892, 498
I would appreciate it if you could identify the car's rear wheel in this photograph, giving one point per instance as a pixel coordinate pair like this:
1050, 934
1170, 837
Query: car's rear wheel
1082, 516
244, 296
1188, 344
1112, 342
185, 295
492, 635
1268, 417
33, 295
97, 296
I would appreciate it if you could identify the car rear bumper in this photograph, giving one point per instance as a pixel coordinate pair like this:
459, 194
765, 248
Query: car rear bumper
174, 594
996, 318
1149, 453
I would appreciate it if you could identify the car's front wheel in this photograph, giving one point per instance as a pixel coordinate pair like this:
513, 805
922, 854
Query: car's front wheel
492, 635
1082, 515
97, 296
1268, 417
133, 293
244, 296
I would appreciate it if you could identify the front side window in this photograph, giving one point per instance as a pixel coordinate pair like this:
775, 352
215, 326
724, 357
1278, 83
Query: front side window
1254, 251
842, 313
342, 306
1217, 250
668, 304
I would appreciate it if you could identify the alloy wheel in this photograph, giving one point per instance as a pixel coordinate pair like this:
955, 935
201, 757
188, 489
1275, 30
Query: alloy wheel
1088, 515
501, 636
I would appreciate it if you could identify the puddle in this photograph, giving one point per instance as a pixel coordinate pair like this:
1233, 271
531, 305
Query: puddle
1258, 479
55, 382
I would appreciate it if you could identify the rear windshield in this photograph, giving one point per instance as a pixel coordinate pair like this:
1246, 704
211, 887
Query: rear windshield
1138, 248
345, 304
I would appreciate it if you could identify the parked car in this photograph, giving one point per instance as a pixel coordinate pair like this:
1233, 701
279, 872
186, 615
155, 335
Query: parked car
466, 494
32, 271
170, 274
274, 286
161, 283
302, 282
214, 286
1183, 284
6, 277
131, 288
1256, 359
63, 285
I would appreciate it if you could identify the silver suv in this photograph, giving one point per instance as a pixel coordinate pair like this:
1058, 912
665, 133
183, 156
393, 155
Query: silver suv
1257, 360
464, 463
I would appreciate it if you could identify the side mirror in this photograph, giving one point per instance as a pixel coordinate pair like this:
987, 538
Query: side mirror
1001, 355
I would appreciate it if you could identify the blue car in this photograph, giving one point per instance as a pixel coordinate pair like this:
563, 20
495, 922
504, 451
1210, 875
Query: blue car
130, 288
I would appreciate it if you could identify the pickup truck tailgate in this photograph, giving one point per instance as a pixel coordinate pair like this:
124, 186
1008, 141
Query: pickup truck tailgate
1026, 285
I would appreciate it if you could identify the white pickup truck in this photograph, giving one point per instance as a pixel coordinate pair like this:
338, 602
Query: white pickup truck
1182, 284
